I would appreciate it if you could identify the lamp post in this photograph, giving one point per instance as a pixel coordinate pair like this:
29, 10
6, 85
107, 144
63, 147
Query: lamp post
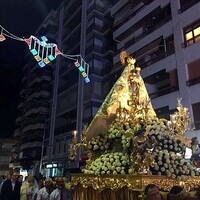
44, 132
55, 91
80, 100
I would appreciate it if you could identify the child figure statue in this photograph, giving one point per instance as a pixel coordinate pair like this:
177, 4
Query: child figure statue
195, 151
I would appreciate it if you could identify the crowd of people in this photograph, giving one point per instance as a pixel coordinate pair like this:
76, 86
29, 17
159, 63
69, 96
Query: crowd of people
176, 193
13, 187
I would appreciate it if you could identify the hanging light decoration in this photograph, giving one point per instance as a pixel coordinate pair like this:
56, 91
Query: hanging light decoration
44, 52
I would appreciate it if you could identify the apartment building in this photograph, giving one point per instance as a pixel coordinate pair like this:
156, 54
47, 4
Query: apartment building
6, 155
163, 35
54, 100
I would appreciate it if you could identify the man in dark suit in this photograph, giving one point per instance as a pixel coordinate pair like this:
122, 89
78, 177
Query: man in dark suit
11, 188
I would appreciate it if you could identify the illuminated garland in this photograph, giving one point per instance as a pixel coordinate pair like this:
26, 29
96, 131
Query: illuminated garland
45, 52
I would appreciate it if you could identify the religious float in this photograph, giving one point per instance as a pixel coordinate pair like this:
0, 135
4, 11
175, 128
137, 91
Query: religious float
128, 146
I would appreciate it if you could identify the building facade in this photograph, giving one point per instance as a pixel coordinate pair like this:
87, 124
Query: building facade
54, 99
163, 35
7, 155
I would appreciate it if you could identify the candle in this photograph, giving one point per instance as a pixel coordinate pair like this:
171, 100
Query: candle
173, 118
185, 110
75, 133
120, 104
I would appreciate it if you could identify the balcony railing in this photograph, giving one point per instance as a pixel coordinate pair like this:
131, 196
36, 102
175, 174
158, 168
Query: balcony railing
150, 29
144, 34
163, 92
159, 55
193, 81
129, 15
188, 5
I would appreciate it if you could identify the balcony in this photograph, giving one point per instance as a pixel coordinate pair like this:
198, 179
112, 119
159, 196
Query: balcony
40, 94
163, 92
37, 110
193, 81
66, 128
155, 57
186, 6
30, 145
36, 79
34, 127
130, 14
17, 132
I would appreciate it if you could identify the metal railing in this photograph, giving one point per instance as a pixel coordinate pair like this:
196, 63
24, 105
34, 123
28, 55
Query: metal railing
163, 92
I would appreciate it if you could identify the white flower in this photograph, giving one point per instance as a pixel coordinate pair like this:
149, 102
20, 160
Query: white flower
181, 162
176, 171
114, 172
108, 172
162, 169
167, 161
159, 158
118, 169
156, 167
192, 173
171, 170
173, 176
187, 171
165, 141
168, 173
159, 137
166, 165
184, 167
160, 163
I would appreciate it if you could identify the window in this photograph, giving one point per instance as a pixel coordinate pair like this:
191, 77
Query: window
98, 63
192, 34
97, 88
196, 111
196, 31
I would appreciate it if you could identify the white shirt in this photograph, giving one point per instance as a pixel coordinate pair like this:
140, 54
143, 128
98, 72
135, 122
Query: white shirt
43, 194
55, 195
13, 184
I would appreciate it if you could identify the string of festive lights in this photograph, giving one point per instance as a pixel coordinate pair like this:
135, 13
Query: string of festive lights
44, 52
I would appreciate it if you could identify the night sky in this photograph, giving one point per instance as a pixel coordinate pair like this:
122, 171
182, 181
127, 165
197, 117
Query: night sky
21, 18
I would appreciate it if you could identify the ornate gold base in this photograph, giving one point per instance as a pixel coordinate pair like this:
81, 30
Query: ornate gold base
132, 185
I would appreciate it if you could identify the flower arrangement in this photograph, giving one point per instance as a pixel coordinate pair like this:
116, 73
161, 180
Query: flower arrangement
99, 143
173, 165
159, 131
168, 151
110, 163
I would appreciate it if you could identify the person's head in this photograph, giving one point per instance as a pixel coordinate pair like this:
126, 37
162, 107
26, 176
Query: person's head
40, 183
60, 183
31, 180
48, 183
20, 178
14, 175
177, 193
152, 192
194, 141
8, 176
197, 194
